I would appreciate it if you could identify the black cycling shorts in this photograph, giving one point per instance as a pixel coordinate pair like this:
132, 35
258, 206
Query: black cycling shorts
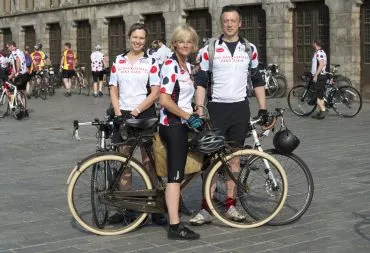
320, 86
175, 138
148, 113
231, 119
68, 73
97, 75
21, 81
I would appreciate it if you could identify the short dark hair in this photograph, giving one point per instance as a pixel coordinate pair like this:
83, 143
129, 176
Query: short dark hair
318, 42
137, 26
230, 8
67, 44
11, 43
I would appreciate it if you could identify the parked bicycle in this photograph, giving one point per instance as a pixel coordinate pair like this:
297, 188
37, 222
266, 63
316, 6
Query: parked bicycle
300, 181
94, 195
345, 100
275, 83
12, 101
39, 84
81, 85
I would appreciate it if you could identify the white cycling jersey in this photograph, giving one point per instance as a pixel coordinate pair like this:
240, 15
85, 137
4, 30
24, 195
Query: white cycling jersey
22, 60
4, 62
317, 57
133, 80
97, 61
230, 72
176, 82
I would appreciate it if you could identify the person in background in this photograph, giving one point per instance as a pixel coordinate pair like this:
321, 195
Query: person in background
163, 51
97, 69
68, 64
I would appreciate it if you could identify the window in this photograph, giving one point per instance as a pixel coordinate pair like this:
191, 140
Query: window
156, 28
254, 28
55, 44
117, 38
29, 36
7, 35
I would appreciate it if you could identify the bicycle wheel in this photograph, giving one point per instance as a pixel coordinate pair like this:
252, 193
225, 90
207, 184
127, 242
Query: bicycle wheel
271, 88
347, 101
340, 80
44, 88
86, 87
20, 109
4, 105
300, 189
82, 193
282, 82
269, 198
300, 102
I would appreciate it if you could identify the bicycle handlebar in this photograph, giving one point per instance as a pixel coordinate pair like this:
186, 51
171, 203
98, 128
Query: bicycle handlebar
96, 122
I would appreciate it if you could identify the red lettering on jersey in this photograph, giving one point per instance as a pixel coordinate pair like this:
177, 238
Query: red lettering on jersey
153, 70
122, 61
219, 50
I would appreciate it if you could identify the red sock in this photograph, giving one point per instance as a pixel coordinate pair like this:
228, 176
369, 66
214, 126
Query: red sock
230, 202
205, 205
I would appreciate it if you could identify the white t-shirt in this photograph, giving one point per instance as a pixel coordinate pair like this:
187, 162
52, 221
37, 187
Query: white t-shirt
134, 80
97, 61
22, 60
163, 53
176, 82
317, 57
230, 72
4, 62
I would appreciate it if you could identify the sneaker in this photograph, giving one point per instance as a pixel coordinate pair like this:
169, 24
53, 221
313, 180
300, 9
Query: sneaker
159, 219
234, 215
95, 94
182, 233
203, 217
100, 93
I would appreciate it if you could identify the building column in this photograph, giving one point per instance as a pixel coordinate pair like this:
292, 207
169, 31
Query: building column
279, 38
69, 33
215, 9
173, 19
345, 41
103, 38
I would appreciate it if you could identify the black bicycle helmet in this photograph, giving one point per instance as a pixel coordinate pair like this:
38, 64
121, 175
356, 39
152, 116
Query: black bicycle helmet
208, 142
285, 141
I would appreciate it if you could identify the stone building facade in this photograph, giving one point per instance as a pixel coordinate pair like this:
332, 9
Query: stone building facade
282, 29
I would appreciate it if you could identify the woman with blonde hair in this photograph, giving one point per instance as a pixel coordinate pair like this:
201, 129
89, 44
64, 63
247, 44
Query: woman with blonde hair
177, 90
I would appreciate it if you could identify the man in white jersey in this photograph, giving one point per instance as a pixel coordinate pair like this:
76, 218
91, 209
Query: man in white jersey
228, 105
318, 71
19, 69
97, 69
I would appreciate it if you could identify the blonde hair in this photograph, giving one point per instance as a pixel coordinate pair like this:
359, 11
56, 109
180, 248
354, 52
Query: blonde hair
183, 33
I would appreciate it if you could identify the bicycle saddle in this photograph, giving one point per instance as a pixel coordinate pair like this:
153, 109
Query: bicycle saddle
141, 123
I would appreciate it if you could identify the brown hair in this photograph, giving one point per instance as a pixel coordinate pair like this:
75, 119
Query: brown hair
11, 43
67, 44
137, 26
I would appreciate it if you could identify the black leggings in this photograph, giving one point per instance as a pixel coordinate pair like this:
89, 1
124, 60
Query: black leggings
175, 139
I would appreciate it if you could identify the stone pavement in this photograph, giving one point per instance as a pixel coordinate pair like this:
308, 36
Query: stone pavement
37, 155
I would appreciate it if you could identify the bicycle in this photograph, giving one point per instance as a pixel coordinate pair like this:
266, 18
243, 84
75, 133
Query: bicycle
39, 83
275, 83
345, 100
80, 82
97, 180
53, 80
300, 181
12, 100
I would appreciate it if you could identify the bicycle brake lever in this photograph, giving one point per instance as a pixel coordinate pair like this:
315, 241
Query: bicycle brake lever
75, 135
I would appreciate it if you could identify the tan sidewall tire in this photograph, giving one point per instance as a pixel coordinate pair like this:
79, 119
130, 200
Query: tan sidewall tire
217, 165
85, 166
